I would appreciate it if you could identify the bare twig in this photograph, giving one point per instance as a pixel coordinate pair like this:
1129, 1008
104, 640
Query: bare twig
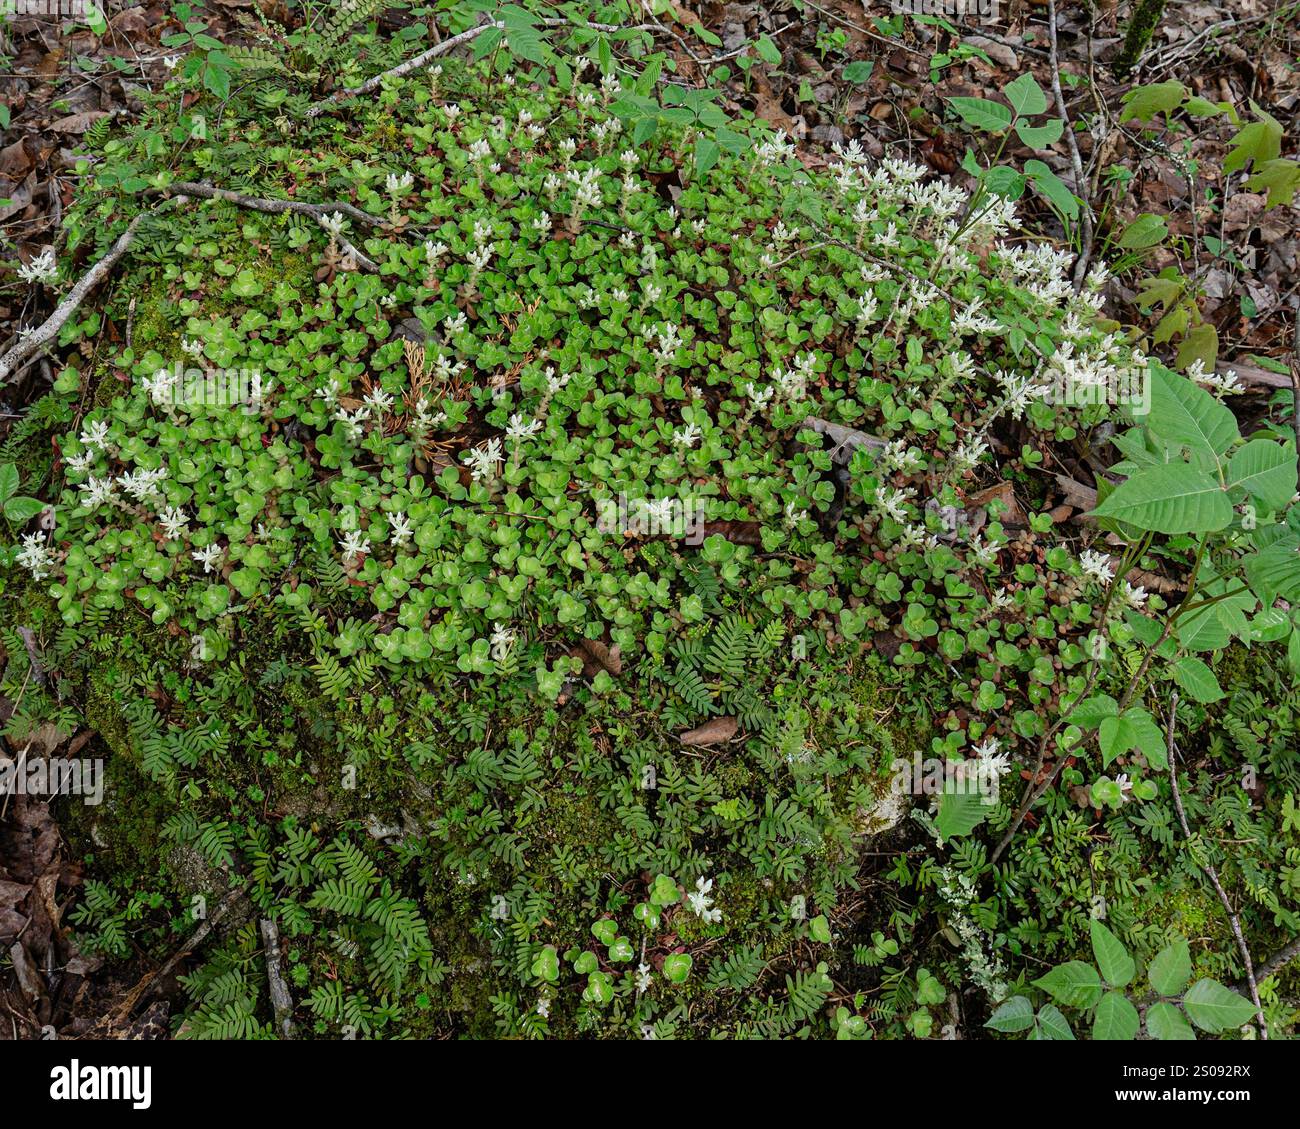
40, 337
422, 60
301, 207
150, 982
29, 641
1280, 958
43, 334
1080, 183
281, 1000
1295, 379
1208, 867
318, 212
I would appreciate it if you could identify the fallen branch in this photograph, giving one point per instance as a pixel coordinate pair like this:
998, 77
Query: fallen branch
1253, 374
1280, 958
1208, 867
48, 330
422, 60
1076, 162
274, 207
281, 1000
28, 346
318, 212
1295, 382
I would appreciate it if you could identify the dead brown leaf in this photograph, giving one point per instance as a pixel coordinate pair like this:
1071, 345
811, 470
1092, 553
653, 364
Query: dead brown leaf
713, 732
78, 123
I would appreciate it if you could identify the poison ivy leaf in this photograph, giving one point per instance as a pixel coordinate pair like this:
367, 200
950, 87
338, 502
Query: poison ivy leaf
1158, 290
858, 71
1170, 498
1073, 984
1166, 1022
1051, 1024
1017, 1014
1186, 415
1145, 231
992, 117
1256, 143
1116, 966
1214, 1008
1197, 679
1092, 711
1200, 343
1051, 186
1004, 181
768, 51
1116, 1018
1040, 136
8, 480
1025, 95
1280, 178
1275, 571
1211, 627
1266, 470
1199, 107
1171, 969
706, 154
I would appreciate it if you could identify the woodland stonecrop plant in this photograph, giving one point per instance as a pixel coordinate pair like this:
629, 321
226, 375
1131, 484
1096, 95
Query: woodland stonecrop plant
592, 288
239, 488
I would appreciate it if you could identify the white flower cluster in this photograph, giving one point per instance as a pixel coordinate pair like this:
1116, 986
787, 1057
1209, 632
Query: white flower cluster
1096, 566
700, 901
35, 556
42, 269
354, 545
1224, 384
792, 383
484, 461
501, 641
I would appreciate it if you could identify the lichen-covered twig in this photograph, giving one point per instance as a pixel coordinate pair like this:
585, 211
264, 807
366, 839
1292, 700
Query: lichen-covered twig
318, 212
422, 60
281, 1000
1213, 874
32, 343
274, 207
37, 339
1076, 162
